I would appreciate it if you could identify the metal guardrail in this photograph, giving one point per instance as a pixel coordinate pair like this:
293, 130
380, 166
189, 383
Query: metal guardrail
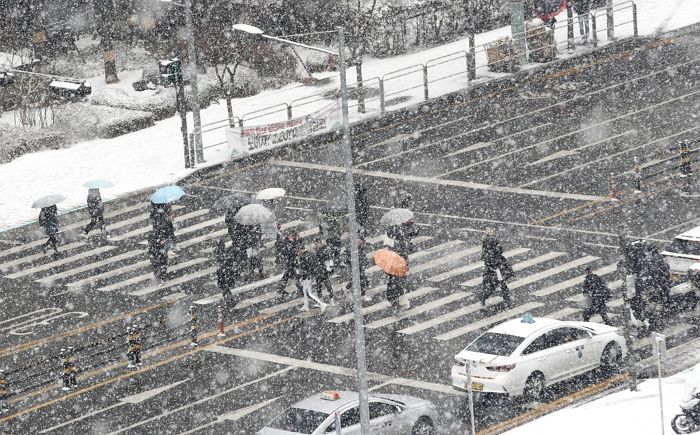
462, 59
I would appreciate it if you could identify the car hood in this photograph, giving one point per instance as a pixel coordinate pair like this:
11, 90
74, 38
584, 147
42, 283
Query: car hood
409, 401
598, 328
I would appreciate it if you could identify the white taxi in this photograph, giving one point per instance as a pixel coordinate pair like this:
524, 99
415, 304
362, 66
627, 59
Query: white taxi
523, 356
337, 412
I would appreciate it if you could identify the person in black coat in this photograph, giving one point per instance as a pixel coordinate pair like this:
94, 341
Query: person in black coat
496, 269
325, 265
395, 288
231, 224
227, 270
48, 218
253, 246
583, 9
597, 293
96, 210
289, 249
158, 255
361, 204
308, 268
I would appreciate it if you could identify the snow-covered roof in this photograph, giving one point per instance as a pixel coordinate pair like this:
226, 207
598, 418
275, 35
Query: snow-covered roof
523, 329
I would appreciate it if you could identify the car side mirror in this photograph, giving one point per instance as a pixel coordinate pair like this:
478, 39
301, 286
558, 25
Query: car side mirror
399, 410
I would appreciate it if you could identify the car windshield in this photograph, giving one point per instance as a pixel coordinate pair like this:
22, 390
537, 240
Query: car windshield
494, 343
682, 246
299, 420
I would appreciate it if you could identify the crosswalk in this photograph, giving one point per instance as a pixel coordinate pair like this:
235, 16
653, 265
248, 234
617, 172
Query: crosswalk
444, 279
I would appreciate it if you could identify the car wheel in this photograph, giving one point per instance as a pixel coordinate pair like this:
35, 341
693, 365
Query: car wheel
534, 388
423, 427
611, 358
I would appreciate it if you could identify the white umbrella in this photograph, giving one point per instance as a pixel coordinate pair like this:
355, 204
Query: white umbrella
48, 200
271, 193
396, 216
253, 214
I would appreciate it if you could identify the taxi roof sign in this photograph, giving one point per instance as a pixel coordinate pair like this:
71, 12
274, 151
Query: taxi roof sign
527, 318
330, 395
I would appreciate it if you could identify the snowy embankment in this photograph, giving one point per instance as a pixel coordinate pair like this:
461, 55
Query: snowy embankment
622, 413
154, 156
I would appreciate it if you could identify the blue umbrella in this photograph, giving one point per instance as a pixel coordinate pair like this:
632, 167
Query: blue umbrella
98, 184
167, 194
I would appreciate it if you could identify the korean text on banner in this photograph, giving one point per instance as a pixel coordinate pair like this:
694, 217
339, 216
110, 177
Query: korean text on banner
244, 141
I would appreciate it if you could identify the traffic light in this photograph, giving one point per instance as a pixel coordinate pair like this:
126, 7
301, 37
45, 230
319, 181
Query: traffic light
170, 72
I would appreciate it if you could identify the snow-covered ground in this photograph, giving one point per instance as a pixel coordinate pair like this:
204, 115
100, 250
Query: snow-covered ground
622, 413
154, 156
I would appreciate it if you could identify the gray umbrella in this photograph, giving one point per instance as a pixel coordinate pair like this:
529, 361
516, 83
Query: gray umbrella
253, 214
48, 200
396, 216
233, 201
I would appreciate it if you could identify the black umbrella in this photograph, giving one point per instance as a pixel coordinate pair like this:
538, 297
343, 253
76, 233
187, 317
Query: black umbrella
232, 201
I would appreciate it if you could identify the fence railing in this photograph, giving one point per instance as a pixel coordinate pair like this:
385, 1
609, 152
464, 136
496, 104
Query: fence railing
374, 93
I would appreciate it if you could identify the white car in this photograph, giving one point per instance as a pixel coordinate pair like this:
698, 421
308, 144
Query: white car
683, 252
388, 413
523, 356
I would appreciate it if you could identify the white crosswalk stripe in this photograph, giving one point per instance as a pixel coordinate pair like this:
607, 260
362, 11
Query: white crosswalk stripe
551, 272
574, 281
149, 276
381, 305
147, 228
474, 326
448, 317
473, 266
522, 265
417, 310
61, 262
90, 266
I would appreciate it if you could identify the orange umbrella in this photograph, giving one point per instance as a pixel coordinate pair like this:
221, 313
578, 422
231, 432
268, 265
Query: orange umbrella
390, 262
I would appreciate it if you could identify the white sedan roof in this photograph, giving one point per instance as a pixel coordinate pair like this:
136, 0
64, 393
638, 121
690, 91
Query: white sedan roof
519, 328
316, 403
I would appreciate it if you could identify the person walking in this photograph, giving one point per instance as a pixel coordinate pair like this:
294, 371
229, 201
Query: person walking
225, 272
361, 204
48, 219
583, 10
333, 231
158, 255
395, 289
324, 264
288, 249
308, 266
597, 293
496, 269
96, 210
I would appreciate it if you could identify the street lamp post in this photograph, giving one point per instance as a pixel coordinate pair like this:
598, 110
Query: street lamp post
192, 66
352, 220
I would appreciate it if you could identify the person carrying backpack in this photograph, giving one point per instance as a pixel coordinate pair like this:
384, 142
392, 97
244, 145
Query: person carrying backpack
597, 293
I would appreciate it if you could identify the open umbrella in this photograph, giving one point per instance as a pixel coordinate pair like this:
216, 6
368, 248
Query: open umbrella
253, 214
390, 262
396, 216
48, 200
167, 194
233, 201
271, 193
98, 184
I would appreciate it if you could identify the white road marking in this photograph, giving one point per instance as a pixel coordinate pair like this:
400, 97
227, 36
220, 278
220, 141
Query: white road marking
328, 368
202, 400
473, 266
670, 331
441, 182
238, 290
417, 310
74, 271
461, 254
447, 317
61, 262
481, 145
149, 276
455, 333
562, 313
522, 265
550, 272
574, 281
147, 228
234, 415
173, 282
33, 316
349, 317
610, 156
423, 253
574, 151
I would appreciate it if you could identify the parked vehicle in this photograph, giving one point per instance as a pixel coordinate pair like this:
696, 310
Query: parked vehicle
688, 421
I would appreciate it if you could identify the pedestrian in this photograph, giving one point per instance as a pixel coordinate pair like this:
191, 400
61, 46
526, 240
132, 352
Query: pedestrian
401, 238
363, 265
133, 340
361, 204
395, 289
48, 218
406, 200
307, 269
69, 370
225, 272
597, 293
496, 269
159, 257
253, 244
5, 392
694, 278
162, 221
583, 10
289, 249
96, 210
333, 232
324, 264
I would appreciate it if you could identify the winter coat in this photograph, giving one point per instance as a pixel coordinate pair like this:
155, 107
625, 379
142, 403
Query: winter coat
48, 218
308, 265
94, 203
491, 252
596, 290
395, 287
361, 204
582, 7
289, 251
323, 257
156, 251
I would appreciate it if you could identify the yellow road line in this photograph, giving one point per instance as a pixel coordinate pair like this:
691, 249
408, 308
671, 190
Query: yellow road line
144, 369
23, 346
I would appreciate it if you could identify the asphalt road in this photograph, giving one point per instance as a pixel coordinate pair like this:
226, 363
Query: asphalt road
532, 157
